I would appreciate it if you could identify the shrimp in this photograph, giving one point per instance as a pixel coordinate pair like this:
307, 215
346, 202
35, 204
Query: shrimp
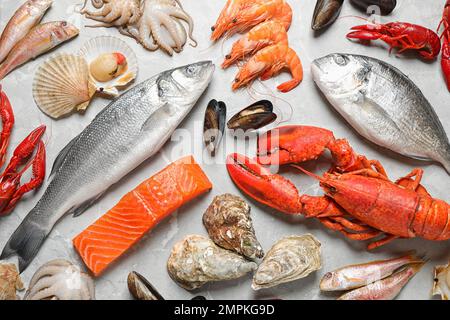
263, 35
267, 63
240, 15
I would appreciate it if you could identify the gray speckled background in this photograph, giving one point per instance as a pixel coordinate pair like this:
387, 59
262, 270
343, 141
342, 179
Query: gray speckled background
150, 255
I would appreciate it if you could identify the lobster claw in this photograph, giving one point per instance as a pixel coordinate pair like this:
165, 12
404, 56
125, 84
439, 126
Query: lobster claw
257, 182
445, 62
292, 144
366, 32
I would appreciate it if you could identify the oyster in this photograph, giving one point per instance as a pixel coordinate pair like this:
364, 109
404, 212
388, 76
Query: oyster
291, 258
214, 125
141, 289
442, 281
253, 117
60, 280
10, 282
196, 260
230, 226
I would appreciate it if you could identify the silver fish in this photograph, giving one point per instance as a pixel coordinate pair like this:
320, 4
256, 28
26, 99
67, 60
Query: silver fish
383, 105
128, 131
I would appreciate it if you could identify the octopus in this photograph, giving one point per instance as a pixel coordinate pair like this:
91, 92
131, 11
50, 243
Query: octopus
196, 260
160, 27
60, 280
10, 282
113, 13
230, 226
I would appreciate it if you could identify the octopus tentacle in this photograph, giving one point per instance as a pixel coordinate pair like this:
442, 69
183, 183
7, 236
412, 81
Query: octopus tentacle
145, 35
42, 285
155, 25
181, 14
45, 272
171, 27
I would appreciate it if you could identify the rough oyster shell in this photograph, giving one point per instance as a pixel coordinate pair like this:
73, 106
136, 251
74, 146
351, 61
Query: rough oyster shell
10, 282
141, 289
289, 259
60, 280
62, 85
230, 226
196, 260
95, 47
441, 284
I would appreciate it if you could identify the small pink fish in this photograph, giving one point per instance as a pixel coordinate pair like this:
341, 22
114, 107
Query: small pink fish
39, 40
26, 17
385, 289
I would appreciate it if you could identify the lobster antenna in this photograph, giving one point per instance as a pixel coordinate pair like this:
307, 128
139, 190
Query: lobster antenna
356, 17
312, 175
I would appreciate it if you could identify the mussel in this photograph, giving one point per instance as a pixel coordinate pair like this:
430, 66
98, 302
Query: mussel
196, 260
291, 258
230, 226
214, 125
253, 117
141, 289
325, 13
385, 6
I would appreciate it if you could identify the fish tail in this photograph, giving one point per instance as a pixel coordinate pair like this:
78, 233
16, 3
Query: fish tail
25, 242
444, 156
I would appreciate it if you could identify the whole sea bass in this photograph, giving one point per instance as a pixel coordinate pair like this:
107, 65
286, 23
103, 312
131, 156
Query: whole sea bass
26, 17
129, 130
383, 105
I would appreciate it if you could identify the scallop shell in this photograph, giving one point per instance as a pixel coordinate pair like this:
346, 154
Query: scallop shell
107, 44
196, 260
9, 282
62, 85
291, 258
442, 281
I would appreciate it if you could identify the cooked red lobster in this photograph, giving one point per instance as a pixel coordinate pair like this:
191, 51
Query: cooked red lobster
24, 157
401, 35
360, 201
445, 62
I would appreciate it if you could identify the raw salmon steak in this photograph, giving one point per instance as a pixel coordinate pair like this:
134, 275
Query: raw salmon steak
138, 212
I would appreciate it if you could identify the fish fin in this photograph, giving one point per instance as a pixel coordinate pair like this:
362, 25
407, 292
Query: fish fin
25, 243
62, 156
80, 209
152, 120
445, 157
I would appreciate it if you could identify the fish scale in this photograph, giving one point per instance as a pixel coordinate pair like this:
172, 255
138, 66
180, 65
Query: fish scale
129, 130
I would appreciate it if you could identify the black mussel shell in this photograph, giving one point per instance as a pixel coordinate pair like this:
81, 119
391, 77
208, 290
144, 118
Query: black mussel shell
325, 13
386, 6
214, 125
141, 289
253, 117
198, 298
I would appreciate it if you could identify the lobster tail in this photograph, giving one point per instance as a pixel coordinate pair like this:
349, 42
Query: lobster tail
432, 220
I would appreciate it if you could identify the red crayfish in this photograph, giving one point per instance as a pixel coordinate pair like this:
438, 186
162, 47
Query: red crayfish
446, 43
11, 189
360, 201
401, 35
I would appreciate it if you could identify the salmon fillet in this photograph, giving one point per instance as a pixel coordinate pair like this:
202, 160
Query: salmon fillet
139, 211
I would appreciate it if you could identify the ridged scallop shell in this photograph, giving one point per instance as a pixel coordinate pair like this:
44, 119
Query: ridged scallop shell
10, 282
62, 85
442, 281
289, 259
93, 48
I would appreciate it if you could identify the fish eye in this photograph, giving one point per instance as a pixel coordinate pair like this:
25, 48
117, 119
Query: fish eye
64, 23
340, 60
191, 70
